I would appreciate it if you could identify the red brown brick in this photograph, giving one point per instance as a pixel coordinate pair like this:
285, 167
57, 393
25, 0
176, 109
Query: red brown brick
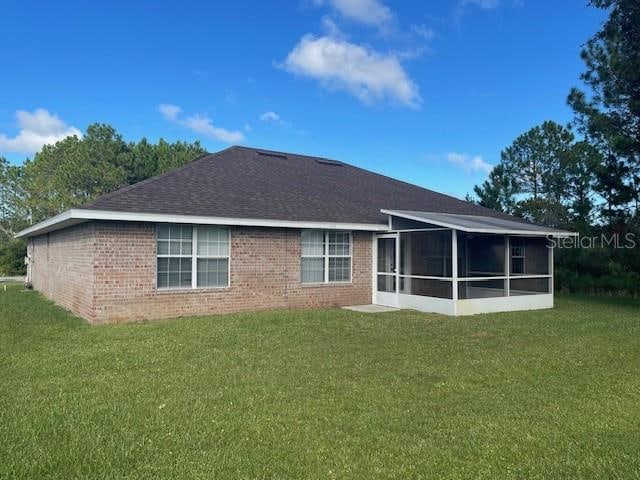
106, 272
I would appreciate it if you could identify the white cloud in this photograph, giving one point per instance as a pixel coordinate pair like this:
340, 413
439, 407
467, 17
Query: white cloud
270, 117
368, 75
169, 112
368, 12
330, 27
469, 163
273, 117
201, 124
204, 125
36, 130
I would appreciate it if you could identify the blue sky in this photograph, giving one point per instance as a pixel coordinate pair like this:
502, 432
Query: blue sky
428, 92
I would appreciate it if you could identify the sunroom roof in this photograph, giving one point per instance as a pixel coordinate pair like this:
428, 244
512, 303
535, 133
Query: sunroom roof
478, 223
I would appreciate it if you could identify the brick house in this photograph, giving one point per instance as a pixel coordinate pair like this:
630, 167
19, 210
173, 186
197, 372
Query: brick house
247, 229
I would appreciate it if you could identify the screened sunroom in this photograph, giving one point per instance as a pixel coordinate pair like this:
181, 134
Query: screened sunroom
463, 264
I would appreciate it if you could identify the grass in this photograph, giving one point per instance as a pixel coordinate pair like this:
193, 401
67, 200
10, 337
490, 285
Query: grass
323, 394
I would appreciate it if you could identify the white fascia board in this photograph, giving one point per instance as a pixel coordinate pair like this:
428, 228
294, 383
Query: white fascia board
53, 223
77, 215
499, 231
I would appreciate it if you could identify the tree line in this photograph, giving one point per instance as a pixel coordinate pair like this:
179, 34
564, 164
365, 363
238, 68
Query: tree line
585, 176
72, 172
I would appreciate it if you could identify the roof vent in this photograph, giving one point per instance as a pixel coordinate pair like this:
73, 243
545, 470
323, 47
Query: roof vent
326, 161
273, 155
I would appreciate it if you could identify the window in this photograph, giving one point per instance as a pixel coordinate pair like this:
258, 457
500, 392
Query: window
174, 256
312, 256
212, 256
326, 257
185, 249
517, 256
339, 256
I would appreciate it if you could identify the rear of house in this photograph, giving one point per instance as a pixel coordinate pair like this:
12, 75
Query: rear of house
247, 229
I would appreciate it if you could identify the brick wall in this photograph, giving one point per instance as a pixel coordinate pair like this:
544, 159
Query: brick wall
264, 274
62, 267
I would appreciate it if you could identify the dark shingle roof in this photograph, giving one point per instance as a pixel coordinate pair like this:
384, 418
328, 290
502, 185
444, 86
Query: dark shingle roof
242, 182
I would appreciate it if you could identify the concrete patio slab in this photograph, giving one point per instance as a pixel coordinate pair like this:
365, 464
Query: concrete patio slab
371, 308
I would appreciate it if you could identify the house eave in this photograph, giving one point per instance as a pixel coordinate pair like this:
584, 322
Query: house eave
542, 232
76, 216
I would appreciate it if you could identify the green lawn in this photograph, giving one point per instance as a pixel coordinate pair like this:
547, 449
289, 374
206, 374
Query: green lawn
323, 394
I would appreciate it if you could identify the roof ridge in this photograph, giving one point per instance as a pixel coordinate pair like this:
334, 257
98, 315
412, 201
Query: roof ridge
268, 150
370, 172
146, 181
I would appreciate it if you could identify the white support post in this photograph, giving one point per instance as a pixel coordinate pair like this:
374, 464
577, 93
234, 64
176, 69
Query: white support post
507, 266
550, 270
374, 266
454, 269
194, 257
397, 269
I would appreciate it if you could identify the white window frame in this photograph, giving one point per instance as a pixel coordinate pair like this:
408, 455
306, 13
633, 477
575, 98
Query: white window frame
325, 256
169, 255
314, 257
194, 260
196, 257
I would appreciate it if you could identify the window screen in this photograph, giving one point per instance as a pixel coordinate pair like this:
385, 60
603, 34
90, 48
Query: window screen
174, 244
326, 256
213, 257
